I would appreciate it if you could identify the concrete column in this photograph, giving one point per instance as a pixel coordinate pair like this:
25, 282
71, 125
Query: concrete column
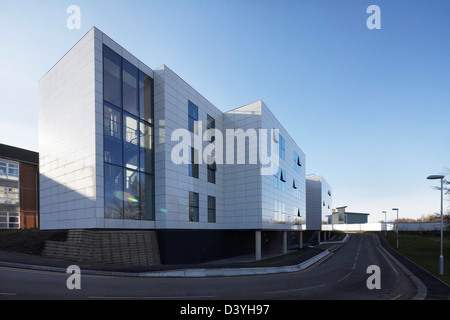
300, 240
324, 236
318, 237
258, 245
284, 241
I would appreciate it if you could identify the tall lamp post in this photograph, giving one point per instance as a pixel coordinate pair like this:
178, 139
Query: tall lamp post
441, 257
385, 223
396, 224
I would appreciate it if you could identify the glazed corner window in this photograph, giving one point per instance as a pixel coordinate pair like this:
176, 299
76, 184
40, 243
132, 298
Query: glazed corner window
145, 97
193, 207
192, 116
131, 133
211, 209
112, 134
131, 196
130, 77
113, 192
282, 147
127, 139
112, 77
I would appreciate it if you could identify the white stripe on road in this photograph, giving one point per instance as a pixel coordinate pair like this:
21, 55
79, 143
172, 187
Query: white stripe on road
155, 298
293, 290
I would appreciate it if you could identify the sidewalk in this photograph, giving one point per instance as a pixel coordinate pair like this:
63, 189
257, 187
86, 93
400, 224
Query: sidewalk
236, 266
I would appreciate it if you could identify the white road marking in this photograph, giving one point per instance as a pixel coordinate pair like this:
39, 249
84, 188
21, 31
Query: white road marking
152, 298
293, 290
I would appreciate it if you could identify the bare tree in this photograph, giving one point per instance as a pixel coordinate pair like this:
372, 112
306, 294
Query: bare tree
446, 184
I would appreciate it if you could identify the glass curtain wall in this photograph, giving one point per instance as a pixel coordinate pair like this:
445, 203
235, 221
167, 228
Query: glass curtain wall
128, 139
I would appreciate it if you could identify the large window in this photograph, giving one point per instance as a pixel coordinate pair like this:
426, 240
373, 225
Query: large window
130, 88
282, 147
131, 133
131, 195
128, 139
212, 168
146, 97
211, 209
146, 196
146, 147
192, 116
193, 166
113, 192
193, 207
9, 220
112, 134
9, 171
112, 77
279, 211
279, 179
9, 195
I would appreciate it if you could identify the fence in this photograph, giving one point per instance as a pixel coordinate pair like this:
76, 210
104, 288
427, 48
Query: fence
381, 226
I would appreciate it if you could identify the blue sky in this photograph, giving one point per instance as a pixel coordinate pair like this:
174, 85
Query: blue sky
370, 108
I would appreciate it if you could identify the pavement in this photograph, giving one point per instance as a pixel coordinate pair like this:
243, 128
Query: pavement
429, 287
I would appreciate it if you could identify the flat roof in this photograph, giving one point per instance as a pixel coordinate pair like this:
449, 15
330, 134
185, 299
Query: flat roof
18, 154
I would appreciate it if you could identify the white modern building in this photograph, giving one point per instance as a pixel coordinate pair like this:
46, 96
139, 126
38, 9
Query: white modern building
113, 155
319, 202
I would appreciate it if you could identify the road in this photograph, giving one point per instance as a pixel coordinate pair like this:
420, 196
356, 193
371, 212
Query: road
342, 275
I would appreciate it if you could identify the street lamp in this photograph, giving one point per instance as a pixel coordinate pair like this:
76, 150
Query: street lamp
441, 258
385, 223
396, 224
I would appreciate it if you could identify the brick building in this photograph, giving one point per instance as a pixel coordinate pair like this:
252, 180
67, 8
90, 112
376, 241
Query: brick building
19, 188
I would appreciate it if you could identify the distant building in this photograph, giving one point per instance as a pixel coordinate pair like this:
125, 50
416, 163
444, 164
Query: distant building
19, 191
318, 202
339, 216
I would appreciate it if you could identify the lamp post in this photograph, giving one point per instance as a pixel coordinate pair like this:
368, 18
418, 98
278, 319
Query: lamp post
441, 257
396, 224
385, 223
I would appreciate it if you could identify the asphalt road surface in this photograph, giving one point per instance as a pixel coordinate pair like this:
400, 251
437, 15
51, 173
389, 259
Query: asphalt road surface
344, 274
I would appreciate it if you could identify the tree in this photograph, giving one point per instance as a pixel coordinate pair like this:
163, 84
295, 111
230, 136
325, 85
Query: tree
446, 184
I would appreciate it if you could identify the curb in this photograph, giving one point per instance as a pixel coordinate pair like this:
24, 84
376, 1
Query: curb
234, 272
421, 287
184, 273
192, 272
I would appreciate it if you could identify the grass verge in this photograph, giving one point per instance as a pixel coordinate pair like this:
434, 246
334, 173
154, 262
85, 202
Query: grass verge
423, 249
